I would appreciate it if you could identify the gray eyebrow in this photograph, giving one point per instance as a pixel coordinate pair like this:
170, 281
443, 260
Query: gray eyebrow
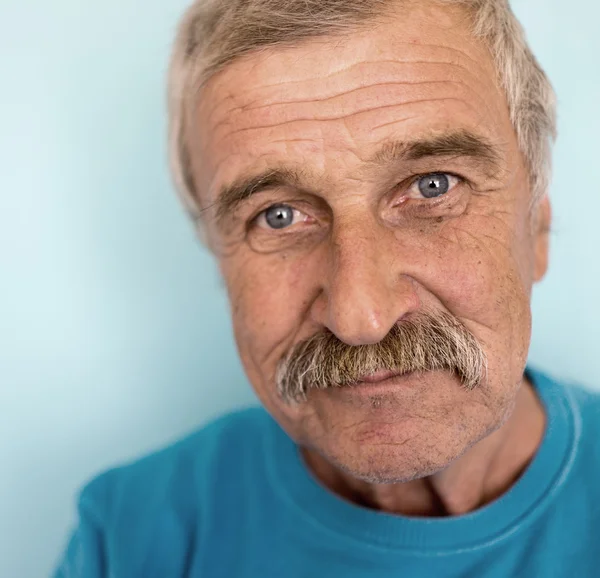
243, 188
460, 143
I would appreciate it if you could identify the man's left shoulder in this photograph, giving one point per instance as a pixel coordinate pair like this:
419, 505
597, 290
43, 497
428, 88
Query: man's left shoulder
584, 402
574, 408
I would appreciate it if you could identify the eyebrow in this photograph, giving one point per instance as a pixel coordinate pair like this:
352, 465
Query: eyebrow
456, 144
240, 190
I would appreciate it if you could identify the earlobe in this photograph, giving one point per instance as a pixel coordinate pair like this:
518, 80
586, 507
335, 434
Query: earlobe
543, 221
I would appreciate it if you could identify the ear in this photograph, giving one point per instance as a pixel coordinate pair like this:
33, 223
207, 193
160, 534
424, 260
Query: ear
541, 238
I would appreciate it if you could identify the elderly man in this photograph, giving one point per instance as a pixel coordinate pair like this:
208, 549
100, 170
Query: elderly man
371, 176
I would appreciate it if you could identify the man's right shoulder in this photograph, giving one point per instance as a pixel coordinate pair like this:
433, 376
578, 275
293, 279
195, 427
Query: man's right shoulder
145, 517
177, 477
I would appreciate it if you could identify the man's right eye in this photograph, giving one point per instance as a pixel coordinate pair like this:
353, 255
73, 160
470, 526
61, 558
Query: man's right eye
279, 217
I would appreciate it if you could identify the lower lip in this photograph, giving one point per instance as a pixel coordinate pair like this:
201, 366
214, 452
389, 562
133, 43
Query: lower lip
374, 386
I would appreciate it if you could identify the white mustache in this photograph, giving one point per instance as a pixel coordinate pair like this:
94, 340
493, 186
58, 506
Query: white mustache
428, 341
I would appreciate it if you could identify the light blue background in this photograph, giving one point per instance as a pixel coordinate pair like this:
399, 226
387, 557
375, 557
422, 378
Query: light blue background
114, 330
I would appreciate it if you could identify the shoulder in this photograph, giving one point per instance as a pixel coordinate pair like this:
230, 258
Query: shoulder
582, 400
582, 405
580, 497
144, 517
175, 477
585, 402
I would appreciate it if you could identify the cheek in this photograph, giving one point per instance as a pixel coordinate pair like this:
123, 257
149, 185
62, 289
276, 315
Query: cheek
481, 279
269, 296
478, 270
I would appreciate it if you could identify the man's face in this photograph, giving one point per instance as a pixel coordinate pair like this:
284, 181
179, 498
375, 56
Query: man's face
354, 183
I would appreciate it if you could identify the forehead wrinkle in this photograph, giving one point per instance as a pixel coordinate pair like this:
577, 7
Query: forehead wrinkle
277, 61
346, 117
346, 93
274, 102
238, 105
374, 99
256, 61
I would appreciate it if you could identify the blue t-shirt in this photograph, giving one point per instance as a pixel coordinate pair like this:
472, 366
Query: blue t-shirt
235, 500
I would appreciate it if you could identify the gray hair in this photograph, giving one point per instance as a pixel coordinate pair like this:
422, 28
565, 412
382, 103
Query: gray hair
213, 33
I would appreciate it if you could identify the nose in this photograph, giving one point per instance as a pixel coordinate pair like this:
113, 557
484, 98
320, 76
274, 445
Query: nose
364, 289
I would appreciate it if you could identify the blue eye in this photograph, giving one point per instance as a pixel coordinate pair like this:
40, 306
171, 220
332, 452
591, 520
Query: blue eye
435, 184
279, 216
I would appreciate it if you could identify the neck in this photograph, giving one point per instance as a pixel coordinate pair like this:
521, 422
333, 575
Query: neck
481, 475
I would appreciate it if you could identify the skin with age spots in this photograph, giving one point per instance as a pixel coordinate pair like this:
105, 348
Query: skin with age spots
328, 129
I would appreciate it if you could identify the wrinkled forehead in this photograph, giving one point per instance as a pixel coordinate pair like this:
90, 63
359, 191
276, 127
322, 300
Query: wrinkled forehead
329, 103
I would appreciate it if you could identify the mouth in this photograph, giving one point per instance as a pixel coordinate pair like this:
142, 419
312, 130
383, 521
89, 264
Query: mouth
381, 382
378, 377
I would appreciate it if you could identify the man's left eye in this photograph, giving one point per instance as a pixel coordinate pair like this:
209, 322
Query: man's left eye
433, 185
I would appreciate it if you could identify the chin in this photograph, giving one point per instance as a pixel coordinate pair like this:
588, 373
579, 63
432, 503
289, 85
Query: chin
401, 452
387, 465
